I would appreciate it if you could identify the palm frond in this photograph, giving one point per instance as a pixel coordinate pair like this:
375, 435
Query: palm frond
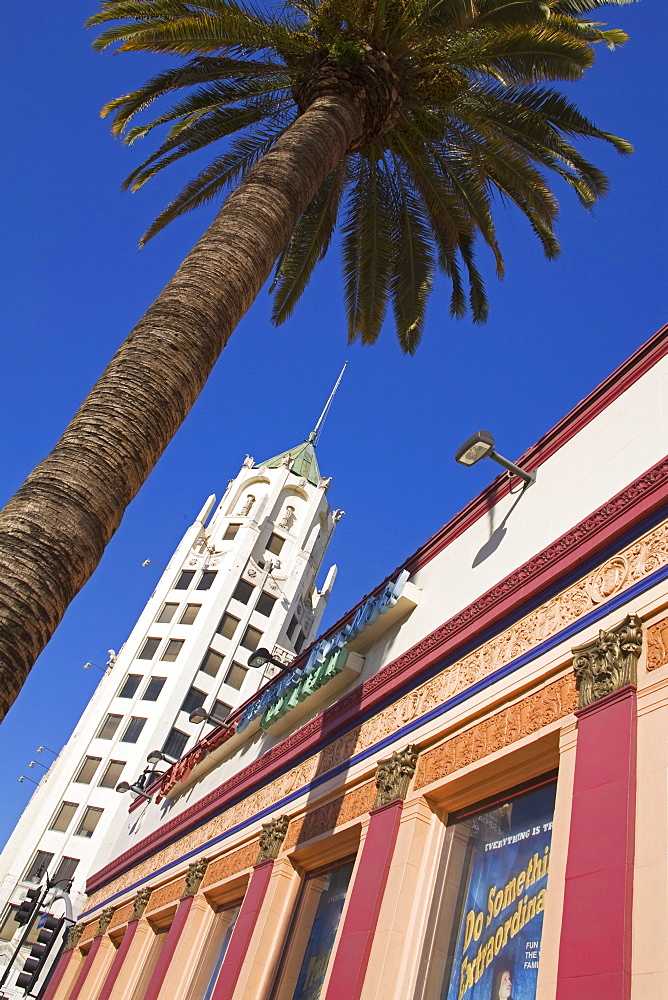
308, 245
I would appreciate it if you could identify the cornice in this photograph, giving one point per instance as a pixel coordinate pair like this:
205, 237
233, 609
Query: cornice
528, 585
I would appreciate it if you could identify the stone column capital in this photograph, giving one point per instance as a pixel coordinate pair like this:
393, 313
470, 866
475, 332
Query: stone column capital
272, 837
393, 775
609, 662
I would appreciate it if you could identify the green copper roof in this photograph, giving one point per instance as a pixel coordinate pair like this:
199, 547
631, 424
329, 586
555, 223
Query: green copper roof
302, 459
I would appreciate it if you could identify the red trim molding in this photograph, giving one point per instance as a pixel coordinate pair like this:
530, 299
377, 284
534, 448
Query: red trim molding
352, 955
57, 975
595, 946
85, 968
243, 931
119, 958
169, 947
619, 515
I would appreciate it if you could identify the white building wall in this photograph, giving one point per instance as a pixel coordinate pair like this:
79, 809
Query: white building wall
289, 577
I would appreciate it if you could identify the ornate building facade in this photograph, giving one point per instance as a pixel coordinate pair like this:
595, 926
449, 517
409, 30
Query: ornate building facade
459, 791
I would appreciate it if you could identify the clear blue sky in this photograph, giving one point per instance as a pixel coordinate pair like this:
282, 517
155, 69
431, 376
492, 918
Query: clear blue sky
75, 284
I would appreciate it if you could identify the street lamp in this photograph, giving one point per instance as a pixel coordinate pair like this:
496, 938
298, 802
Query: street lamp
201, 715
125, 786
87, 666
44, 747
481, 445
33, 762
25, 778
156, 756
262, 656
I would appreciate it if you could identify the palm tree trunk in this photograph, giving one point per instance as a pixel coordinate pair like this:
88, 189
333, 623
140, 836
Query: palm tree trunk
54, 530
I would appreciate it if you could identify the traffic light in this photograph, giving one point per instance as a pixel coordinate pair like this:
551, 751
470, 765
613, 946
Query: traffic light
39, 952
27, 907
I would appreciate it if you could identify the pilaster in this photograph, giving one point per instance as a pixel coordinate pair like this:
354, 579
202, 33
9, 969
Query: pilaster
257, 940
64, 975
398, 933
187, 951
136, 954
595, 945
348, 971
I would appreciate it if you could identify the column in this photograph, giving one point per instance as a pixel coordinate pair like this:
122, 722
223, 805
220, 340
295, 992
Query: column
595, 945
97, 959
254, 944
188, 949
68, 966
348, 971
194, 877
243, 930
119, 959
397, 940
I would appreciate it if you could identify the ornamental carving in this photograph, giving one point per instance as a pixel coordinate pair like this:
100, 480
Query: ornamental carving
105, 920
657, 644
272, 837
340, 810
231, 864
609, 662
393, 776
141, 902
74, 935
513, 723
194, 876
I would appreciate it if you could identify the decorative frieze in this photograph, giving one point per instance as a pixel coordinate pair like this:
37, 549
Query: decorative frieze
194, 876
500, 730
609, 662
272, 837
657, 644
393, 776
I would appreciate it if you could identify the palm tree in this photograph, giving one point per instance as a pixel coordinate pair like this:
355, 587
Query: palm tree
399, 120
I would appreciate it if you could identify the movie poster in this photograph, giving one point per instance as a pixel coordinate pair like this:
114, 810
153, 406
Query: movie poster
498, 928
323, 932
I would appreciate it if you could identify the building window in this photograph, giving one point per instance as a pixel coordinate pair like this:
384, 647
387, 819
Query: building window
133, 730
265, 604
243, 592
87, 770
172, 650
89, 821
275, 544
109, 727
291, 627
206, 580
235, 675
190, 614
227, 625
252, 637
39, 865
487, 910
220, 710
211, 662
231, 532
149, 648
185, 579
299, 641
211, 959
175, 743
194, 699
64, 816
65, 871
167, 613
306, 958
153, 689
112, 774
8, 925
129, 689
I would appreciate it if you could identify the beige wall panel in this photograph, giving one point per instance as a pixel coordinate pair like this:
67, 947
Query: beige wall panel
549, 950
650, 889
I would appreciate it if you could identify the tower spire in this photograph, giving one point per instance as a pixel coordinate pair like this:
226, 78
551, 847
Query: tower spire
313, 436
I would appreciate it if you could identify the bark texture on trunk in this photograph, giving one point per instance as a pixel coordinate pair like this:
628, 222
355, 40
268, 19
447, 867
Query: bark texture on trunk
54, 530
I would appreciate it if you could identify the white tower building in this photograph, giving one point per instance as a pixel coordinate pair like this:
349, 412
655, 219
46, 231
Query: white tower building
243, 576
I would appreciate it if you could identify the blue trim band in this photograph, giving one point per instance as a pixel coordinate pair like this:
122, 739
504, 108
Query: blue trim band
635, 590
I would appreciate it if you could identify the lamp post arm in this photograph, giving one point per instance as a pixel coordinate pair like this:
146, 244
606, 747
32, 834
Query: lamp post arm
528, 477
